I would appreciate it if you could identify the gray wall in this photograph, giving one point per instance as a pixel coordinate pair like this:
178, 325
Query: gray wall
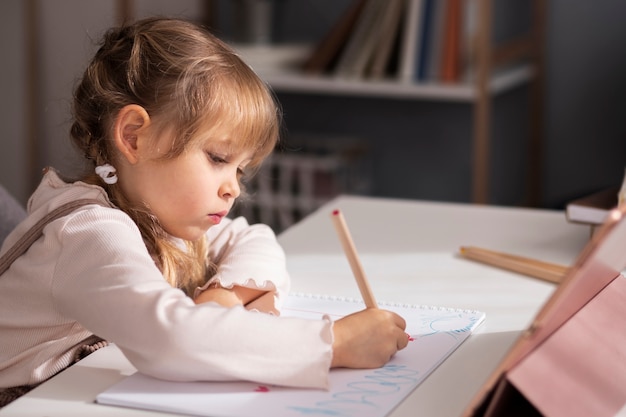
13, 172
418, 147
586, 97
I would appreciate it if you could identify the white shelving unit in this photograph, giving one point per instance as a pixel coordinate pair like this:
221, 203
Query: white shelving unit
279, 66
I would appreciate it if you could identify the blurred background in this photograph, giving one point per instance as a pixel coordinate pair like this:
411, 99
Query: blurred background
543, 128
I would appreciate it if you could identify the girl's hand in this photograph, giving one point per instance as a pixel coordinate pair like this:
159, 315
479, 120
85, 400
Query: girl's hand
368, 338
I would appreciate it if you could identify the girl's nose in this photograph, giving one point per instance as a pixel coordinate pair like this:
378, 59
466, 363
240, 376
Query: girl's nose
230, 187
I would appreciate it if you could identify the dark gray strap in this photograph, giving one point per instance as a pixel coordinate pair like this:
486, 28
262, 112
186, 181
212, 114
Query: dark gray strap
35, 232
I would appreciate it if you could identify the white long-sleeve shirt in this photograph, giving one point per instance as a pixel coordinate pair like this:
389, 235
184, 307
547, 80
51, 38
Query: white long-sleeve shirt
90, 273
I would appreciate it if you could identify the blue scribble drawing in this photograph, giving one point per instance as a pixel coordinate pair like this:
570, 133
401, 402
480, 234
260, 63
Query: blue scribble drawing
450, 325
312, 411
362, 395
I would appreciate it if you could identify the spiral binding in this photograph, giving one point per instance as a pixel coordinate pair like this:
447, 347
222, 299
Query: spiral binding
327, 297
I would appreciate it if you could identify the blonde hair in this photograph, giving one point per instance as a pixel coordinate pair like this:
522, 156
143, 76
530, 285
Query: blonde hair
188, 80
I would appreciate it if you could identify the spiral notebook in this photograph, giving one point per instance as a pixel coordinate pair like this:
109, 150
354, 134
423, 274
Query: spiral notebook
436, 333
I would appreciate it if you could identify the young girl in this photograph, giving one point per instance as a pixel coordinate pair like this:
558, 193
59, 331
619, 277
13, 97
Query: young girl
171, 121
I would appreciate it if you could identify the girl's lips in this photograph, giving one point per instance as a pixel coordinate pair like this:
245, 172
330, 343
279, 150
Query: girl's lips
216, 218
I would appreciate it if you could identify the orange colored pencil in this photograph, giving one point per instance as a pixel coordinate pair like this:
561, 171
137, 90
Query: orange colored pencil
538, 269
353, 259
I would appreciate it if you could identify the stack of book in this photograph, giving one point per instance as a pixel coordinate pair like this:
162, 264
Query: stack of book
592, 209
408, 40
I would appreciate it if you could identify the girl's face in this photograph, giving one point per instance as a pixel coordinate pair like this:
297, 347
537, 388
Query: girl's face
192, 192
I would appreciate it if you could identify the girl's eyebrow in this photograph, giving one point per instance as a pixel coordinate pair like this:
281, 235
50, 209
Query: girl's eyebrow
221, 147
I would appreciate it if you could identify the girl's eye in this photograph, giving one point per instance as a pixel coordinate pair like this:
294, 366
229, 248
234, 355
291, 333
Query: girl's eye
220, 160
217, 159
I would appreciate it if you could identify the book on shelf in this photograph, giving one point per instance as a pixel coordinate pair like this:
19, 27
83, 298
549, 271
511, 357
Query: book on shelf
451, 51
410, 43
592, 209
426, 32
327, 51
390, 28
467, 53
362, 41
432, 59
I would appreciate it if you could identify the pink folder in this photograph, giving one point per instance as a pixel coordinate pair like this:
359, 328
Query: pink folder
571, 361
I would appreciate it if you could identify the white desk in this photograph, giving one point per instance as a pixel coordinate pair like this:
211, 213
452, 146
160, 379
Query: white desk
421, 240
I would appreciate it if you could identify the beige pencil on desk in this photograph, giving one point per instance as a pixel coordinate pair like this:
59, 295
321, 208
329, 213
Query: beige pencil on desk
532, 267
353, 258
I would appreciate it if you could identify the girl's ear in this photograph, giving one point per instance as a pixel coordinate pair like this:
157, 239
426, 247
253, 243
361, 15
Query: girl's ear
130, 131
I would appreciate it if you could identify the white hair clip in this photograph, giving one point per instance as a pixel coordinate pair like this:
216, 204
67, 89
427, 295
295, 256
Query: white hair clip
107, 173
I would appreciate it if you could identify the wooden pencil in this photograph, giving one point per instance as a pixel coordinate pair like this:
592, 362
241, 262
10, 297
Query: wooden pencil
538, 269
353, 259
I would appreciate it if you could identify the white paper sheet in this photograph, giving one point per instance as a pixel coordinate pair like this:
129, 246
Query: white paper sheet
437, 332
